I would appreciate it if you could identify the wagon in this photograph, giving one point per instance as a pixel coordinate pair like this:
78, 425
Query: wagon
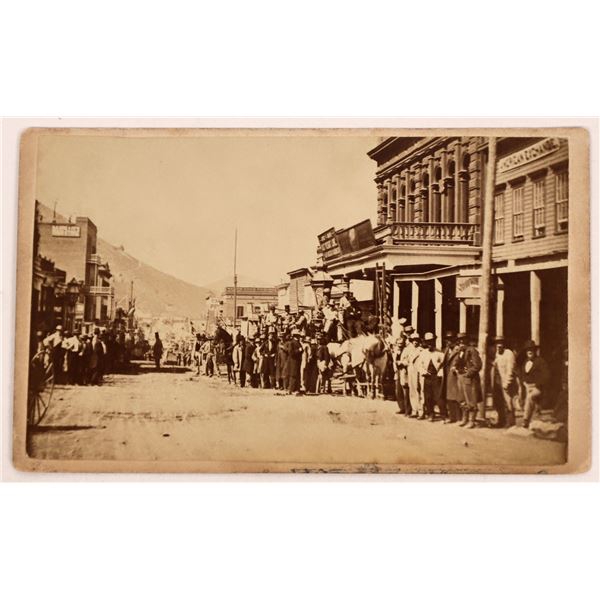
41, 386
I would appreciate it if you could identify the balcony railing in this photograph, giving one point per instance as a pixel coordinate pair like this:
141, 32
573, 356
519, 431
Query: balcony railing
466, 234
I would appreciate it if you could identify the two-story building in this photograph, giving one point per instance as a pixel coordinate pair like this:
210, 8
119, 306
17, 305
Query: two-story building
71, 245
424, 254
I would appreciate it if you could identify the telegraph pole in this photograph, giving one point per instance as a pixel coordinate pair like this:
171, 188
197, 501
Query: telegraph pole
486, 264
235, 281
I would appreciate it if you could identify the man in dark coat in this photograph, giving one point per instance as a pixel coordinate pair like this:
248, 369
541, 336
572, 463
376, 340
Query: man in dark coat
294, 362
468, 365
96, 359
534, 375
450, 396
157, 350
283, 349
269, 359
248, 361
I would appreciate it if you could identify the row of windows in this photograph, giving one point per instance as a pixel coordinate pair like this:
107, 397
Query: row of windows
539, 217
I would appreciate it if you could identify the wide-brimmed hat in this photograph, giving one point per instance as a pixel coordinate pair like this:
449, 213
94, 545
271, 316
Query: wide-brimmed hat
59, 328
296, 332
415, 336
449, 335
429, 337
402, 321
530, 345
409, 329
499, 339
463, 335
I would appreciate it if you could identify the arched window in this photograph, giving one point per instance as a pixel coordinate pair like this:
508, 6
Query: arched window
451, 193
402, 204
425, 199
464, 189
436, 204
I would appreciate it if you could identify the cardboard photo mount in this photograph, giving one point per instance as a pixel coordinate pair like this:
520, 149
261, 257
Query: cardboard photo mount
579, 312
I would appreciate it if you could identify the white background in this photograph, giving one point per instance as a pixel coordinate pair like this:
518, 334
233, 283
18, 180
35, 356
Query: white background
282, 537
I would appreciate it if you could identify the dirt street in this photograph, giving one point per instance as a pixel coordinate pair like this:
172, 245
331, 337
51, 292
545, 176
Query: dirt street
172, 415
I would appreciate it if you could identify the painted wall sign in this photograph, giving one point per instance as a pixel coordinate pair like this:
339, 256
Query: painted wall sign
512, 161
329, 245
66, 231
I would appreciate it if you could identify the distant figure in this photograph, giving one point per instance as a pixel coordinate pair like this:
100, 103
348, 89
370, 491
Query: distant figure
157, 350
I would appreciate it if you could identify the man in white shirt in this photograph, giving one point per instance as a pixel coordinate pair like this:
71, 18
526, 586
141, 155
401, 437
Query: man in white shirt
430, 374
410, 357
504, 383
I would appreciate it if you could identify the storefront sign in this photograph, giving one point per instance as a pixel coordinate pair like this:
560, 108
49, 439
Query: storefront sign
329, 245
467, 287
357, 237
512, 161
66, 231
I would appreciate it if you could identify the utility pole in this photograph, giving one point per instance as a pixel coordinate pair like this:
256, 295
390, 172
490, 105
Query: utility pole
486, 264
235, 281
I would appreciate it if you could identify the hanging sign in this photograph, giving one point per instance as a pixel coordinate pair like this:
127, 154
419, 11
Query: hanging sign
467, 287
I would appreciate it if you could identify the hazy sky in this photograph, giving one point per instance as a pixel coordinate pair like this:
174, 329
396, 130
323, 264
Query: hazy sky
174, 202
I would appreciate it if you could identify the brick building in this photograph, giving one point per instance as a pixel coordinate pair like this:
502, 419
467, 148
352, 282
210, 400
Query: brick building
71, 245
425, 250
251, 302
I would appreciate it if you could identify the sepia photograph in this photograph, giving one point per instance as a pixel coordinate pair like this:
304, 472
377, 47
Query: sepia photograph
317, 300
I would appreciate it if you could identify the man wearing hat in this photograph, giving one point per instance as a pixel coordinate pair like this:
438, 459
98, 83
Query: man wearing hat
468, 365
268, 351
400, 376
450, 396
398, 328
294, 362
281, 367
534, 375
55, 342
409, 358
504, 383
323, 361
430, 374
248, 361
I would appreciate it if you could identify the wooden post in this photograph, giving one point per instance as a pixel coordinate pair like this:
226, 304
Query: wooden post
535, 290
486, 264
438, 309
414, 309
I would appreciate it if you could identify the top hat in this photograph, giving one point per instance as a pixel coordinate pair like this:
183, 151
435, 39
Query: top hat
409, 329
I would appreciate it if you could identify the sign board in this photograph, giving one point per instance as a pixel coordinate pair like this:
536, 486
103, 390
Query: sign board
467, 287
512, 161
357, 237
66, 231
329, 245
345, 241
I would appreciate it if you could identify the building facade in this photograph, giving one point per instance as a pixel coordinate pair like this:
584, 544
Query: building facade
71, 245
424, 253
250, 302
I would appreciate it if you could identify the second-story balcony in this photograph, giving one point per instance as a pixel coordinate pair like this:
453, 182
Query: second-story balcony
434, 234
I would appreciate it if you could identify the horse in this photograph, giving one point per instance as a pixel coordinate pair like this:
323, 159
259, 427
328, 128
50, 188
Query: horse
349, 355
377, 360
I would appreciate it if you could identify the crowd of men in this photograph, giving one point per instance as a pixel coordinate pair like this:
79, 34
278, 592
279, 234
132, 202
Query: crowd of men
83, 359
438, 382
446, 384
